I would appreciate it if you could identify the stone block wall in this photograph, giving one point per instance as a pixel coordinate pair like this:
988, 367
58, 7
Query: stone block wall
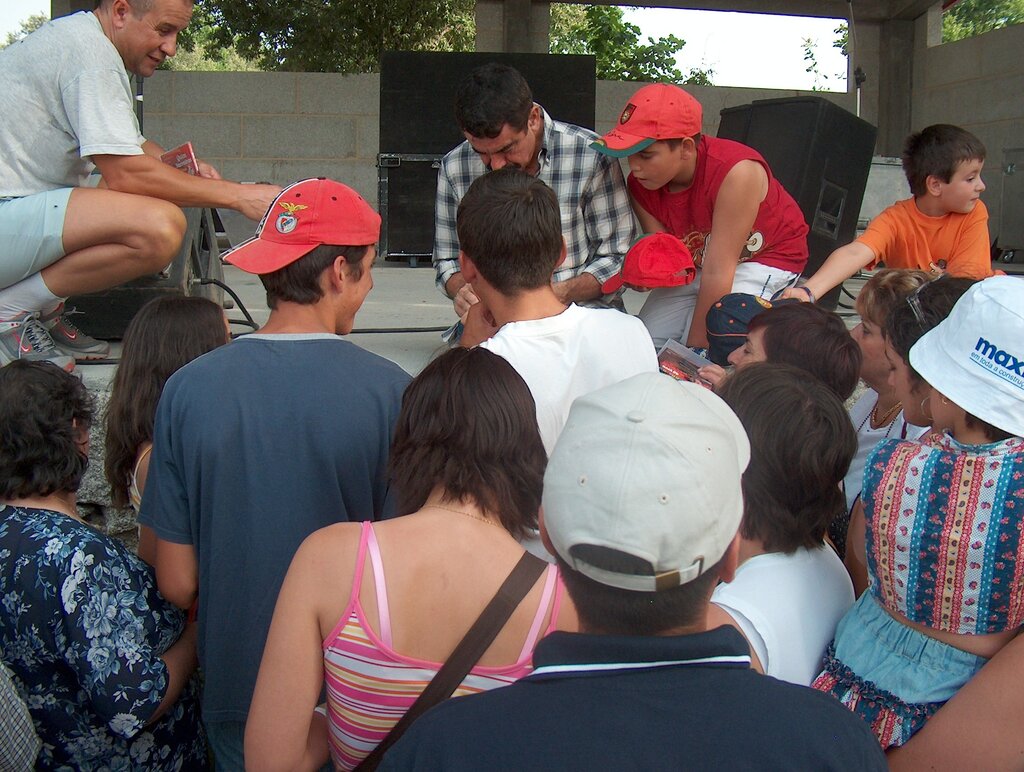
271, 126
280, 127
976, 83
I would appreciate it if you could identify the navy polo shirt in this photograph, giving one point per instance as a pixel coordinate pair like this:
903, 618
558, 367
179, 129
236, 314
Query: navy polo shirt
624, 702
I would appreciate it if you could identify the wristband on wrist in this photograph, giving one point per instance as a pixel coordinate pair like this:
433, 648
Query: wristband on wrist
810, 295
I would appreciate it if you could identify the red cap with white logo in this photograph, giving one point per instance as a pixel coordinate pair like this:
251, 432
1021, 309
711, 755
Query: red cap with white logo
304, 216
655, 112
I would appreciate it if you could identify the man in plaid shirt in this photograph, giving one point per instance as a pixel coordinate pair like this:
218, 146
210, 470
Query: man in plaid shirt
504, 127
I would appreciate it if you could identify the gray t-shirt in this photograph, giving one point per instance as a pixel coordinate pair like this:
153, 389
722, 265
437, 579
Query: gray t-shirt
65, 97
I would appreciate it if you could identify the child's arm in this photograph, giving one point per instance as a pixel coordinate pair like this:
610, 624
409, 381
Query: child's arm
840, 266
856, 549
736, 207
648, 222
283, 730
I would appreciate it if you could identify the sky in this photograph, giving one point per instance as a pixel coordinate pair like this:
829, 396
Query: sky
743, 49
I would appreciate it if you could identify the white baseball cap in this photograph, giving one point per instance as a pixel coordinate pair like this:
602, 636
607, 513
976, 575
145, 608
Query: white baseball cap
975, 356
649, 468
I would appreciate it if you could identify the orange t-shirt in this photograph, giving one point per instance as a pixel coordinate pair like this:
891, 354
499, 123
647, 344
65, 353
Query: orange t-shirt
903, 237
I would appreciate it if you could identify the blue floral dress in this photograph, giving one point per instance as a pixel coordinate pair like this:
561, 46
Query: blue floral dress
82, 628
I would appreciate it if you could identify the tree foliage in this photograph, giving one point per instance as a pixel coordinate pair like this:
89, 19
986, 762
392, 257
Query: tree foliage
349, 36
810, 48
29, 25
201, 47
330, 35
973, 17
601, 30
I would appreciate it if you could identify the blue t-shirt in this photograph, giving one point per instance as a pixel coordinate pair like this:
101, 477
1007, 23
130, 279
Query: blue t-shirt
257, 444
82, 629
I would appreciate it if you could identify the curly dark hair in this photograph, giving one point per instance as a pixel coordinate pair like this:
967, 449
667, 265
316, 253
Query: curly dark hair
45, 415
166, 334
468, 424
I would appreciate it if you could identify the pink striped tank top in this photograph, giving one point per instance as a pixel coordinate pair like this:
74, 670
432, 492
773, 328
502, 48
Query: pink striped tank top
370, 685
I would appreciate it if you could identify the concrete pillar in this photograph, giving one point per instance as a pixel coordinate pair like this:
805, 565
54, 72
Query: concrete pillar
864, 54
490, 25
512, 26
64, 7
895, 81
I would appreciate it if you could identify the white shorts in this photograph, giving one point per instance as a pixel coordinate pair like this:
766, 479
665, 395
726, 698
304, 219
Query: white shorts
668, 311
31, 232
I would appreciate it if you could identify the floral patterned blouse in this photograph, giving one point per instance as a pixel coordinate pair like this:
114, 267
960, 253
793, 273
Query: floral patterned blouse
945, 532
82, 628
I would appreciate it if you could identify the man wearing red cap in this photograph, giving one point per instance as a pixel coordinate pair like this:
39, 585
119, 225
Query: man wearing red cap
746, 233
274, 436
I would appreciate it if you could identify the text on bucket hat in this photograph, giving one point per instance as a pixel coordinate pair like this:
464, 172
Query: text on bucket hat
975, 356
655, 260
650, 468
658, 111
304, 216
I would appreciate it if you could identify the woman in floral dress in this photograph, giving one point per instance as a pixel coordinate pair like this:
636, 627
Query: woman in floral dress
104, 663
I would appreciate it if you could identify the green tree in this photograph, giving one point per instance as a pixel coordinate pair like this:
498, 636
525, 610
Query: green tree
811, 60
333, 35
201, 47
973, 17
29, 25
810, 49
601, 30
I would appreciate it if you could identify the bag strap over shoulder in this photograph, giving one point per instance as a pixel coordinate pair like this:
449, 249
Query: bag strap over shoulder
472, 646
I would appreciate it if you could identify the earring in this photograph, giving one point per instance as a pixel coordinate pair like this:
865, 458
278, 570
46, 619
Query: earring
924, 409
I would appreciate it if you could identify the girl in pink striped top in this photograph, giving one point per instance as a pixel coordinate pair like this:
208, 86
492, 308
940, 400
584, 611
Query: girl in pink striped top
467, 465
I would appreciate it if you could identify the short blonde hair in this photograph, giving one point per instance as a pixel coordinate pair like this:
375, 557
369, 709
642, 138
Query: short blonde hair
884, 290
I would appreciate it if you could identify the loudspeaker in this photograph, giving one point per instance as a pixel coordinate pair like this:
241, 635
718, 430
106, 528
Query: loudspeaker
417, 127
106, 314
821, 154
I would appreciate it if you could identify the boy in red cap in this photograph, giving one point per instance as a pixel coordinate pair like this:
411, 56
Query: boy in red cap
746, 233
270, 438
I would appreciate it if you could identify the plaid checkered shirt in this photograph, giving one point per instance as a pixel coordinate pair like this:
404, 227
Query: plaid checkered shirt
597, 220
19, 744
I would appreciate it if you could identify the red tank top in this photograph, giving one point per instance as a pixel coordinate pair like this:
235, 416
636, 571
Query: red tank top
779, 236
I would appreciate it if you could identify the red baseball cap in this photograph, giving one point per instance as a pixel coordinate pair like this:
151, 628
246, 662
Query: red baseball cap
658, 111
655, 260
305, 215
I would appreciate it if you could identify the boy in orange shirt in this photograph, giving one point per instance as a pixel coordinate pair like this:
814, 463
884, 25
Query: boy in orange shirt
942, 229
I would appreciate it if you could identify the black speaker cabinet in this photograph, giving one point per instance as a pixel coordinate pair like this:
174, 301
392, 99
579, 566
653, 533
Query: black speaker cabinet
417, 127
821, 154
106, 314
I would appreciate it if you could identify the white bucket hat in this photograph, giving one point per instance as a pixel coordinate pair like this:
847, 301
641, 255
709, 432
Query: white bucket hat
975, 356
649, 467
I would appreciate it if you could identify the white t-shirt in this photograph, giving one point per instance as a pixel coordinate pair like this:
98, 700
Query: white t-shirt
788, 607
574, 353
867, 438
65, 96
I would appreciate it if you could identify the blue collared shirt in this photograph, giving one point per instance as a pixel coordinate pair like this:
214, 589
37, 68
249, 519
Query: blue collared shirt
644, 703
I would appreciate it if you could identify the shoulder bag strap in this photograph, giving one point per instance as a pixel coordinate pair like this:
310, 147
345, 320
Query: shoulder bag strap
467, 653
